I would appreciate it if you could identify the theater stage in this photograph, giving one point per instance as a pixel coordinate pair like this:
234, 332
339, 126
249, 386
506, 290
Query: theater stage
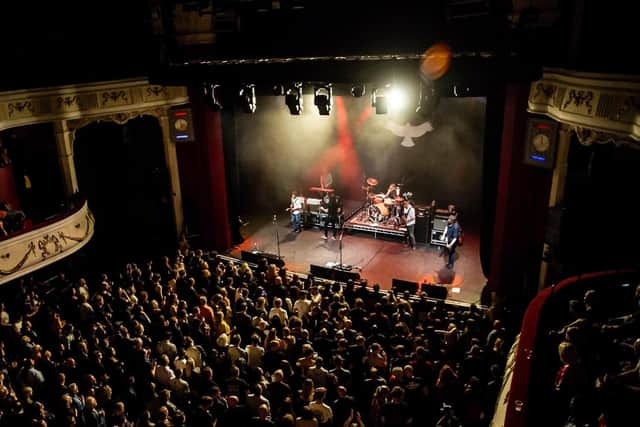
380, 258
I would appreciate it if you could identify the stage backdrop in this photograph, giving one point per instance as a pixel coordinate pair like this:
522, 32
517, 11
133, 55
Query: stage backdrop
438, 159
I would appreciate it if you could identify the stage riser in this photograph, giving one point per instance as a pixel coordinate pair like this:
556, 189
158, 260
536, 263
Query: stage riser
376, 230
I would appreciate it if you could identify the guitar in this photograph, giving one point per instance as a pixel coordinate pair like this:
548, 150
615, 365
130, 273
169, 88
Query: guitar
293, 209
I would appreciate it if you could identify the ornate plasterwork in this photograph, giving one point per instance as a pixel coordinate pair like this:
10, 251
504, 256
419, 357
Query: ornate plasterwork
43, 246
588, 136
608, 104
119, 118
115, 100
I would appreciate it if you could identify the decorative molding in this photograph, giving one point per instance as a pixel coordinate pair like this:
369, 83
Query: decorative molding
91, 101
33, 250
119, 118
588, 137
607, 104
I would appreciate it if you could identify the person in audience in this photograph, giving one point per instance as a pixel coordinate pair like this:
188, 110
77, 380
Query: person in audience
98, 351
10, 220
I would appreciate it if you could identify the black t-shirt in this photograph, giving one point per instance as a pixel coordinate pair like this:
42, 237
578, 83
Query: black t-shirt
331, 204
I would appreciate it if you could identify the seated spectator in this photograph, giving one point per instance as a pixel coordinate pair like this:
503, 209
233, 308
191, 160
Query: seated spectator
10, 220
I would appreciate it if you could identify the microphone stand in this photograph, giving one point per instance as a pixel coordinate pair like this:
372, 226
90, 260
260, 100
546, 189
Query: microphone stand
342, 266
275, 224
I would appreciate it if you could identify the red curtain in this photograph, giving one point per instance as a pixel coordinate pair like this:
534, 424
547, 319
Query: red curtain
8, 192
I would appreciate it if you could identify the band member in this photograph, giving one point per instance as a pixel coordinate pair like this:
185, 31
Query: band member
393, 191
332, 207
410, 221
295, 207
451, 234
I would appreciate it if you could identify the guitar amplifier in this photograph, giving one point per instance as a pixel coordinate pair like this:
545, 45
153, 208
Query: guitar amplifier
439, 225
313, 205
317, 218
421, 230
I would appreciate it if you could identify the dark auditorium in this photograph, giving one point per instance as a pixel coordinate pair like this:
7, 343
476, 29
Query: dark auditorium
299, 213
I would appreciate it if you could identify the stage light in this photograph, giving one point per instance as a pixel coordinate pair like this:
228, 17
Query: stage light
293, 99
459, 90
278, 90
358, 90
248, 98
428, 99
379, 101
397, 99
211, 93
322, 98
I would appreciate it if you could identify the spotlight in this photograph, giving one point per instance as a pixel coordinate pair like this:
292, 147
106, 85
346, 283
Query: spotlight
379, 101
211, 93
461, 90
293, 99
322, 99
248, 98
278, 90
397, 99
358, 91
428, 99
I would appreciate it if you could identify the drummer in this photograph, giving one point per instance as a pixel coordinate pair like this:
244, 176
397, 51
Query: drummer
393, 191
393, 195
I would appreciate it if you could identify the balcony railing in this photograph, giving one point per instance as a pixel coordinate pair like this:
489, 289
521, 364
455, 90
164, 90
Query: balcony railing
45, 244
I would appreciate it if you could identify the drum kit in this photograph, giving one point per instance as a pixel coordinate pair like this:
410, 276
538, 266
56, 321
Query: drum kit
382, 209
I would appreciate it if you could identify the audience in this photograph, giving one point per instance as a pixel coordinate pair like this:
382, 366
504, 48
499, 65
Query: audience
197, 341
597, 381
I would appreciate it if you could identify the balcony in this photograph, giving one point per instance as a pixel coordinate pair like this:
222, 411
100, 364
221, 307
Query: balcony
46, 243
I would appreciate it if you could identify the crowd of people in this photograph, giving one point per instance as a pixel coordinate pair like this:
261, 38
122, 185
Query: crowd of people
598, 348
11, 220
198, 340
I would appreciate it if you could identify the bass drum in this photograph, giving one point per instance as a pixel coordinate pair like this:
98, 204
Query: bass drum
378, 212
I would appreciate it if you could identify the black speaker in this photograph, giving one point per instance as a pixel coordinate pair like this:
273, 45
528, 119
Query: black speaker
404, 285
255, 257
434, 291
421, 229
333, 273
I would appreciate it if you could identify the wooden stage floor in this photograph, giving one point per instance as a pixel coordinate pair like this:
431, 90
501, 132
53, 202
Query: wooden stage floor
381, 258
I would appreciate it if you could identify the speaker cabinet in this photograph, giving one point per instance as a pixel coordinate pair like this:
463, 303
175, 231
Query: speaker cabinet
404, 285
422, 228
434, 291
333, 273
255, 257
439, 225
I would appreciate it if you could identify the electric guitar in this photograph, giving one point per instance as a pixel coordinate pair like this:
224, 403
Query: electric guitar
293, 209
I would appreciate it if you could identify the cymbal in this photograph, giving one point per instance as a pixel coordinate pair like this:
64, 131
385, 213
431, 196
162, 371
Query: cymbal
324, 190
372, 181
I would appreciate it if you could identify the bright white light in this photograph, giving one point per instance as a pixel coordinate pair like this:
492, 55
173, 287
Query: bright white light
398, 99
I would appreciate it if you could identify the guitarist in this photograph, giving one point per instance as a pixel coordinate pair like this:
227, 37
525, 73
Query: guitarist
295, 208
451, 235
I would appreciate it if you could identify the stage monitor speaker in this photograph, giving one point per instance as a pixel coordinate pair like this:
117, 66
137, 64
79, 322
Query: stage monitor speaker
255, 256
333, 273
421, 230
404, 285
434, 291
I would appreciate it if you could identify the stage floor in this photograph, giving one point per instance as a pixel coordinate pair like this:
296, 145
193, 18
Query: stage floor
379, 258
